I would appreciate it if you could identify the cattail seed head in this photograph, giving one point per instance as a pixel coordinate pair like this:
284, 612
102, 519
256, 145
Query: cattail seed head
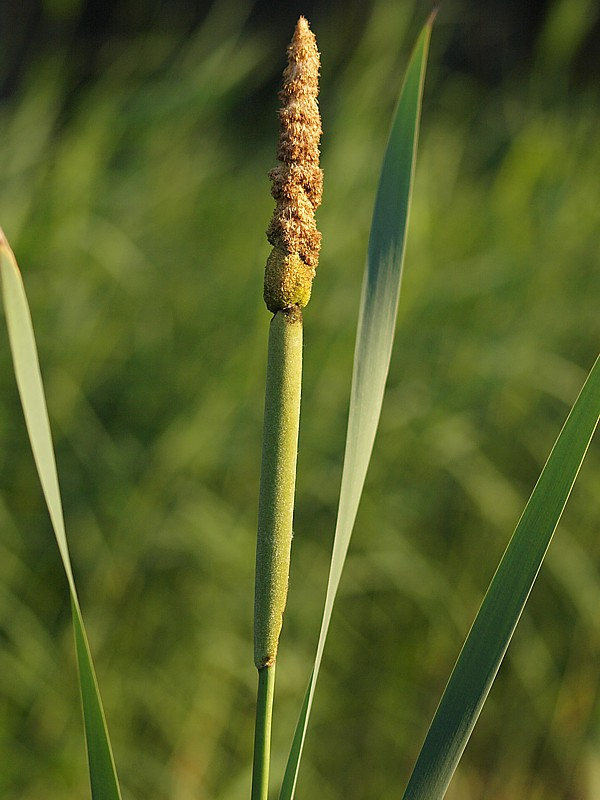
297, 183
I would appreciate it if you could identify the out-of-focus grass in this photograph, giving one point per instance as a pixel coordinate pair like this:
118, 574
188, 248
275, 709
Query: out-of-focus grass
137, 213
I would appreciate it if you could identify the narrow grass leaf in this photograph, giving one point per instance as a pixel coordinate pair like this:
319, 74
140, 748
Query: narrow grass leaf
103, 776
377, 320
488, 639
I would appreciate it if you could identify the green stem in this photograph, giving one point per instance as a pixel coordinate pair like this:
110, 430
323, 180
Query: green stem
275, 516
262, 733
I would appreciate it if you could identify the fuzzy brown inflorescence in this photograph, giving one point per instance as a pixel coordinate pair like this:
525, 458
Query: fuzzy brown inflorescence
297, 183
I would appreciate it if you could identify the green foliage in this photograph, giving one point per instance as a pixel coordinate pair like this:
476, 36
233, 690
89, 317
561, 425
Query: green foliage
103, 777
374, 339
131, 207
495, 624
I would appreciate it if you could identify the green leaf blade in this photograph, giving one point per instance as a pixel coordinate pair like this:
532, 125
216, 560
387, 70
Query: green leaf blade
103, 776
31, 392
103, 773
490, 635
375, 334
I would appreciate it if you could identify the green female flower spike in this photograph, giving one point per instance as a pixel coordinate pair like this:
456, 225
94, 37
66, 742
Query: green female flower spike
297, 183
277, 482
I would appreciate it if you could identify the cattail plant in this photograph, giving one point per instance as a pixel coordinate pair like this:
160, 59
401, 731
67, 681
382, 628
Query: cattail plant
297, 185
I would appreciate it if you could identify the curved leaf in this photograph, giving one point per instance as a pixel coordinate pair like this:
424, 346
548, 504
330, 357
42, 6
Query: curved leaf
376, 324
103, 776
488, 639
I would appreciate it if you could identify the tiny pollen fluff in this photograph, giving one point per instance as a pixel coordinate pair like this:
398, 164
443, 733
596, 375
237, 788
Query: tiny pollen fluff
297, 181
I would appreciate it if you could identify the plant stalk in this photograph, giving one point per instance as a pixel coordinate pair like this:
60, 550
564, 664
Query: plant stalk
262, 733
297, 185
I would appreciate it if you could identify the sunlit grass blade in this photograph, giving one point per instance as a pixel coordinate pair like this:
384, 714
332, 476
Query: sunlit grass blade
103, 776
505, 599
377, 319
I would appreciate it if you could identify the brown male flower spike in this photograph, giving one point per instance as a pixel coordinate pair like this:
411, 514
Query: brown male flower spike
297, 181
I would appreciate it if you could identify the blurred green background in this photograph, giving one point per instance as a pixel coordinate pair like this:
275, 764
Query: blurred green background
133, 189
